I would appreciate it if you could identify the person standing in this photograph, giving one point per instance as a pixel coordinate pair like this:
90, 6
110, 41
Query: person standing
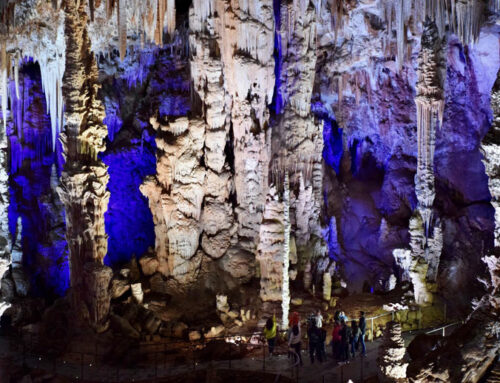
355, 333
295, 343
322, 340
362, 329
319, 319
345, 334
270, 333
336, 340
314, 342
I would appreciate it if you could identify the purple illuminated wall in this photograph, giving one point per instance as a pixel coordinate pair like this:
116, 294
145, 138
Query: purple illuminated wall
33, 198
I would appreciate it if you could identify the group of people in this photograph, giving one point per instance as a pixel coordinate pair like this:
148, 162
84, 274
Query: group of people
346, 340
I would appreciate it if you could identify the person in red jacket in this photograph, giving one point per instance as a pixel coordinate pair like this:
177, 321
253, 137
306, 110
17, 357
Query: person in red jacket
336, 340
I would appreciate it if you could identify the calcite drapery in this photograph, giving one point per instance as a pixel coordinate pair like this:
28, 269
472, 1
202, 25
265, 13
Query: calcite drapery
84, 178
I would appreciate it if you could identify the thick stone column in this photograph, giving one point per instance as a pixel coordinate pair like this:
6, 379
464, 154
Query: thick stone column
426, 239
85, 177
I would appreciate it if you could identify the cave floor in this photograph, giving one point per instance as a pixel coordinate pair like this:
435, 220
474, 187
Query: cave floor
358, 370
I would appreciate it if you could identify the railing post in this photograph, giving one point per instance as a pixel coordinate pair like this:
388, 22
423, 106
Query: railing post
156, 363
373, 333
81, 366
263, 356
362, 367
444, 332
165, 355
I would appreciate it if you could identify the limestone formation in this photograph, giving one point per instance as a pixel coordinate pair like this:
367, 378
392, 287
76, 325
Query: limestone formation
176, 195
470, 350
84, 179
5, 238
271, 248
391, 355
490, 148
426, 239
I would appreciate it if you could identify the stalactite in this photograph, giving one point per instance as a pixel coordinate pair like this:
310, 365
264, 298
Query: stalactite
16, 72
160, 14
170, 14
121, 14
92, 10
430, 107
285, 300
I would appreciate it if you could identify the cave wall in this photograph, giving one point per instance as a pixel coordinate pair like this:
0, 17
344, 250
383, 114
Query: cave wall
263, 82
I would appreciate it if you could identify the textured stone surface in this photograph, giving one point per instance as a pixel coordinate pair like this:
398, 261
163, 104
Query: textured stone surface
391, 355
84, 179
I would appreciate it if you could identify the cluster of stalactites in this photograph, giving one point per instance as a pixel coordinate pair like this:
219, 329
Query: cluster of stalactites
462, 17
151, 17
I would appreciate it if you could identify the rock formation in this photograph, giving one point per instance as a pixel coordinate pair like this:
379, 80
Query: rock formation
391, 355
490, 148
84, 178
426, 240
5, 239
176, 195
466, 355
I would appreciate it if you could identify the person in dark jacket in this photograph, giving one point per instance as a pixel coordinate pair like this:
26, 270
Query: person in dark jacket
362, 329
314, 336
345, 334
356, 332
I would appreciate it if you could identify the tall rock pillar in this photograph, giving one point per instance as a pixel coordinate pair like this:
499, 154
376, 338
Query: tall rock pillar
426, 240
85, 177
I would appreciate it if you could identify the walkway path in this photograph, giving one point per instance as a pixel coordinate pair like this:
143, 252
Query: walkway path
328, 371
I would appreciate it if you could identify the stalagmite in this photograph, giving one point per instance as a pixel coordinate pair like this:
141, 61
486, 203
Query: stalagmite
271, 248
391, 355
84, 178
285, 300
